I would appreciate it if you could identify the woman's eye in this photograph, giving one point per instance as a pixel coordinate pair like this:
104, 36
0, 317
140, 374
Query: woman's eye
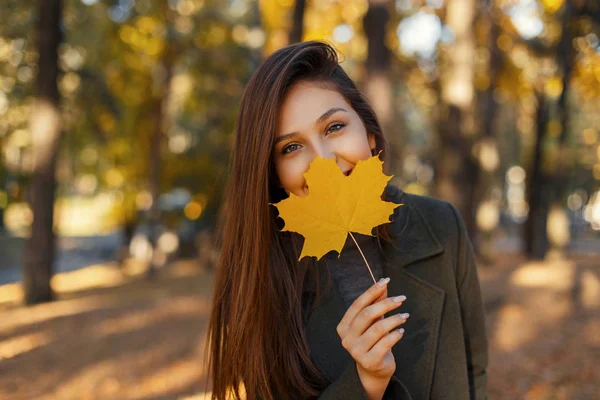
290, 148
335, 127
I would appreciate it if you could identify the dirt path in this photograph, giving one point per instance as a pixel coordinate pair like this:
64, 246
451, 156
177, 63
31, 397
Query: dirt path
110, 337
135, 340
543, 325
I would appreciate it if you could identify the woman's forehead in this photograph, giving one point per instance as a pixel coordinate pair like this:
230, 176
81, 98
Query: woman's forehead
305, 103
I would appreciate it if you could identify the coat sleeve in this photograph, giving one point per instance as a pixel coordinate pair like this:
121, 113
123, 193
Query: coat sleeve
346, 387
349, 387
396, 390
472, 313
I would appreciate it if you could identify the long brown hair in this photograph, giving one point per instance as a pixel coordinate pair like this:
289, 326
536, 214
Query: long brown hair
256, 336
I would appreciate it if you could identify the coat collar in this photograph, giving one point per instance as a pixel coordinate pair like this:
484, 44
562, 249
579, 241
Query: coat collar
412, 238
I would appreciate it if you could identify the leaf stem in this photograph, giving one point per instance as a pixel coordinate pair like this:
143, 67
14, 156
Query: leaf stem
363, 256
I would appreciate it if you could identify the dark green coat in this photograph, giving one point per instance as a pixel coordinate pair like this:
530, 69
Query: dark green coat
443, 354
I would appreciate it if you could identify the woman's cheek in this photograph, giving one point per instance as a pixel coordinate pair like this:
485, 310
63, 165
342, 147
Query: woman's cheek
354, 146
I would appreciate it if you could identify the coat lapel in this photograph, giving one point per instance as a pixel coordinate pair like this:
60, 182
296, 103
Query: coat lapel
415, 353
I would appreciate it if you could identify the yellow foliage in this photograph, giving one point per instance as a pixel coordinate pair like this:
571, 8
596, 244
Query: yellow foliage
320, 20
552, 6
504, 42
146, 24
114, 178
154, 46
482, 82
337, 205
107, 122
554, 128
597, 172
590, 136
554, 87
193, 210
275, 17
126, 33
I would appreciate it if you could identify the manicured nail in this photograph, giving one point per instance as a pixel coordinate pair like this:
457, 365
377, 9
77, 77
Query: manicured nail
383, 282
401, 330
399, 299
405, 315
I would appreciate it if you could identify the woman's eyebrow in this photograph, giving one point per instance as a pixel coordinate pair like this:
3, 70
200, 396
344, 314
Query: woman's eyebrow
328, 113
322, 118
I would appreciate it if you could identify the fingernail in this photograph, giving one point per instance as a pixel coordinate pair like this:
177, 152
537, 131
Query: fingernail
401, 330
383, 282
405, 315
399, 299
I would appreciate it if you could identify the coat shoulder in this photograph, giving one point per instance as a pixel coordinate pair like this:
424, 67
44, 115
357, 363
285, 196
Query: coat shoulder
442, 218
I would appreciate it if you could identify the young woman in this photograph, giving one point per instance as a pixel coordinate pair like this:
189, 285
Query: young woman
284, 329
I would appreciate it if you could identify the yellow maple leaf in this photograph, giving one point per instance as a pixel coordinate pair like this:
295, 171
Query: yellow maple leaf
337, 205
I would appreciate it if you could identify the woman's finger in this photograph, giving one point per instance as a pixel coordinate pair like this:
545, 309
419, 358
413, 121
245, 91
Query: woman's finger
385, 344
361, 302
367, 317
379, 330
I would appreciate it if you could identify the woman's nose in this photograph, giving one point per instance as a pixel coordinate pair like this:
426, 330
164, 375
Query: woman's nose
327, 154
326, 151
322, 150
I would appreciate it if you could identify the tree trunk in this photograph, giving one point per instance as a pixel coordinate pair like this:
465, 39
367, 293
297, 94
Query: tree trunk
536, 240
377, 85
484, 178
46, 130
545, 190
456, 170
3, 194
297, 22
560, 172
161, 99
566, 56
490, 104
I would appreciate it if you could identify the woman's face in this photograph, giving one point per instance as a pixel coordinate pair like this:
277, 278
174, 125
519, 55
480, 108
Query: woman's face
317, 122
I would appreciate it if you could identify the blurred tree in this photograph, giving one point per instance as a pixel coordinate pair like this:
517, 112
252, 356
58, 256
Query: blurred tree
3, 195
113, 85
162, 123
486, 147
536, 240
377, 84
163, 67
139, 84
46, 131
456, 169
551, 167
489, 15
297, 22
17, 62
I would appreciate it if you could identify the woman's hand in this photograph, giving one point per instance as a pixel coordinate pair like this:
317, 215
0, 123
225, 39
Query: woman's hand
366, 335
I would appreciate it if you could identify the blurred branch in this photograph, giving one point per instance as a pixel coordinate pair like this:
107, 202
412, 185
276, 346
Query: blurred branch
98, 92
98, 81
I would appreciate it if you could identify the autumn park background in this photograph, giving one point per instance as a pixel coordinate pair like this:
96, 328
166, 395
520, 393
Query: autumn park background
116, 120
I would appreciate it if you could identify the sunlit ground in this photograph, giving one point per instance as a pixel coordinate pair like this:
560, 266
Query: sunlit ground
113, 335
107, 337
543, 323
